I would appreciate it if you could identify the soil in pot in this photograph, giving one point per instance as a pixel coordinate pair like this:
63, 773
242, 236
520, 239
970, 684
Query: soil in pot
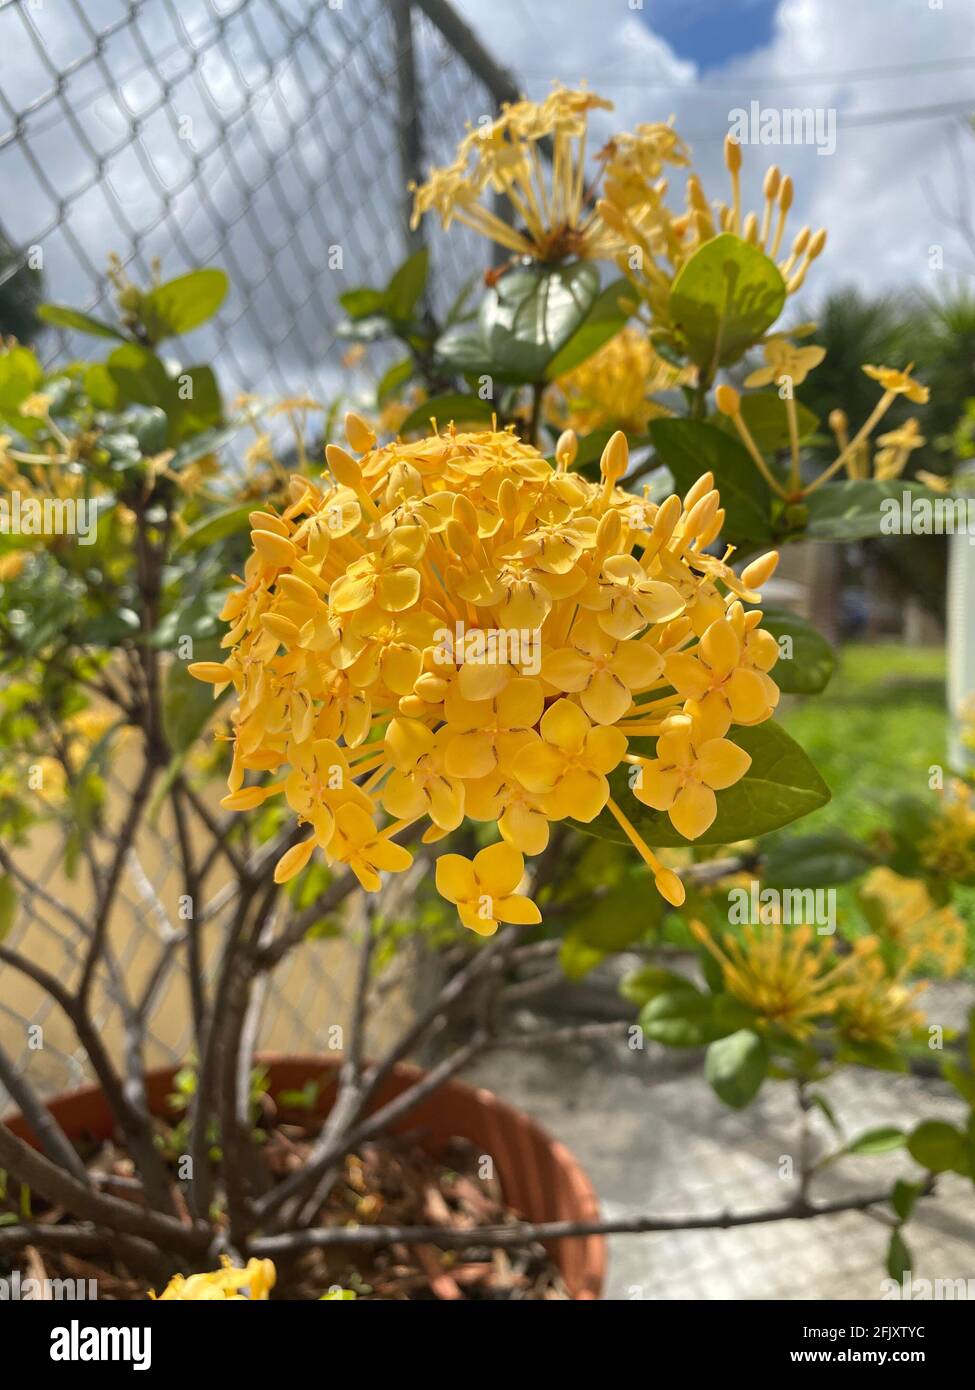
396, 1181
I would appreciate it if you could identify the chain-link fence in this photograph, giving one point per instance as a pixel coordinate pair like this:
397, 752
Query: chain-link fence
274, 138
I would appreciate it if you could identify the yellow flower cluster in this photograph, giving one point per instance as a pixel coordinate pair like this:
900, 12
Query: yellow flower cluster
614, 387
635, 209
254, 1281
786, 362
795, 981
936, 935
948, 849
457, 627
546, 184
789, 976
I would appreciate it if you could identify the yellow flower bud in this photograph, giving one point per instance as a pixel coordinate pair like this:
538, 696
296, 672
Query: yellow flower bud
615, 457
293, 860
358, 433
214, 672
669, 886
732, 154
566, 448
727, 399
698, 490
344, 467
277, 550
759, 571
264, 521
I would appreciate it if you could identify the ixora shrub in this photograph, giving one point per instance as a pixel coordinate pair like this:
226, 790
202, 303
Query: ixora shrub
500, 659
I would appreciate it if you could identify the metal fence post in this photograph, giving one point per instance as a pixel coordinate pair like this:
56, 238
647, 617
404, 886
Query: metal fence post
409, 127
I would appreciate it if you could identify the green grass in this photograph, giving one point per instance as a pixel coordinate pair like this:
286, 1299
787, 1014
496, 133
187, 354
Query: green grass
875, 731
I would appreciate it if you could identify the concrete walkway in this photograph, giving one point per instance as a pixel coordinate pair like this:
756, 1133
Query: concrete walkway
655, 1139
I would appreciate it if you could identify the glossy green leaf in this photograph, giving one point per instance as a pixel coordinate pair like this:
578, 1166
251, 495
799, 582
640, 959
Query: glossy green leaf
898, 1257
60, 316
532, 312
393, 378
903, 1197
690, 448
685, 1018
882, 1140
736, 1066
188, 704
855, 509
939, 1147
614, 921
20, 375
198, 406
216, 526
724, 299
780, 786
607, 316
406, 286
816, 861
183, 304
645, 983
363, 302
806, 660
767, 418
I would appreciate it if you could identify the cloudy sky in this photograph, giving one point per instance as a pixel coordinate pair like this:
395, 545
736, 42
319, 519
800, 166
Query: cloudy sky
891, 69
258, 134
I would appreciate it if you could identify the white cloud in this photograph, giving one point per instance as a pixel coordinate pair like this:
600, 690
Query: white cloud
870, 193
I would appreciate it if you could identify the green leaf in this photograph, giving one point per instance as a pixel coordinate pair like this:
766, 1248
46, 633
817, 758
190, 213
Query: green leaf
216, 526
940, 1148
898, 1257
851, 510
810, 667
183, 304
363, 302
406, 286
188, 704
765, 414
870, 1054
532, 312
736, 1066
608, 315
903, 1197
615, 921
20, 375
395, 377
815, 861
685, 1018
455, 405
780, 786
198, 406
8, 904
823, 1105
60, 316
644, 984
141, 379
724, 299
962, 1080
690, 448
883, 1140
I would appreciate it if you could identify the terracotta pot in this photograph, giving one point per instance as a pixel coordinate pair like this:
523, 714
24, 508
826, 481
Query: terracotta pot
539, 1177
